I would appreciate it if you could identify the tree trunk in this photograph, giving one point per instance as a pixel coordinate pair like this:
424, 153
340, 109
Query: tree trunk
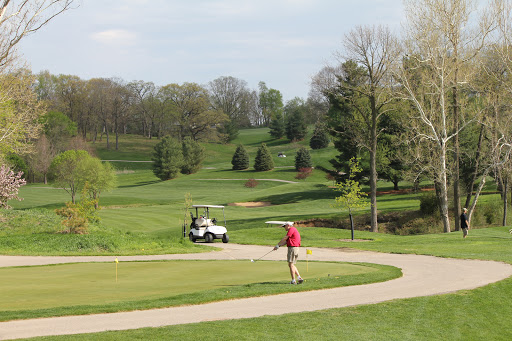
456, 175
456, 187
505, 201
477, 194
471, 185
373, 168
395, 185
351, 225
443, 191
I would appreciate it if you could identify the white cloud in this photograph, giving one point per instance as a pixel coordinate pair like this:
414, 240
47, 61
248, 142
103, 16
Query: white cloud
116, 37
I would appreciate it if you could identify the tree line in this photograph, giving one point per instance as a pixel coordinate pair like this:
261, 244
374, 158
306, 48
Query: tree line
432, 105
108, 107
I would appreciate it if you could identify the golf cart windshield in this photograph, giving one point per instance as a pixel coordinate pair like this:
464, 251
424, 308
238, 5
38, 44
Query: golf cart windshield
206, 214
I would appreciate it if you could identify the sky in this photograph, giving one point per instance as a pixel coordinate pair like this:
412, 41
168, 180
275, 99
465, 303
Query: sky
280, 42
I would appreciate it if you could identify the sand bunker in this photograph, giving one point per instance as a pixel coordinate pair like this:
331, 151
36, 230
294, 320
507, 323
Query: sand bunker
251, 204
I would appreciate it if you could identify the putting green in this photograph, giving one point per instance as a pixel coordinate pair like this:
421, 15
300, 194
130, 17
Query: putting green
39, 287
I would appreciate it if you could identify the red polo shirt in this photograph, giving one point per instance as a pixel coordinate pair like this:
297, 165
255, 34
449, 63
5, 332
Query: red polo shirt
293, 237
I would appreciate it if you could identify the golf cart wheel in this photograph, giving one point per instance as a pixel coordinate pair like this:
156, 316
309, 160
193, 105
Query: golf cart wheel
191, 237
225, 238
208, 237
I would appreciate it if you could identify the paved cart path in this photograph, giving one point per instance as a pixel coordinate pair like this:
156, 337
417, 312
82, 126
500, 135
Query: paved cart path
422, 276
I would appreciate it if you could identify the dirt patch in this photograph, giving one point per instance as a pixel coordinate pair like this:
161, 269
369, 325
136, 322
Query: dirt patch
251, 204
404, 191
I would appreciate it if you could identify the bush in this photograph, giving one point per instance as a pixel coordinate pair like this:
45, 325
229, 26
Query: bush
251, 183
17, 164
304, 173
240, 159
488, 213
428, 203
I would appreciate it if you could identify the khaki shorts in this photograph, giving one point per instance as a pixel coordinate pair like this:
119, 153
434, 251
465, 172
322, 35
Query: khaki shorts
293, 254
465, 232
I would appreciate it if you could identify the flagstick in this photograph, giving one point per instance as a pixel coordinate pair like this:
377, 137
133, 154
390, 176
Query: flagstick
116, 269
307, 263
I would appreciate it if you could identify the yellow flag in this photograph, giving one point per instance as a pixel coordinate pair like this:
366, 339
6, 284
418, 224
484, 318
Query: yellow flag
309, 252
117, 261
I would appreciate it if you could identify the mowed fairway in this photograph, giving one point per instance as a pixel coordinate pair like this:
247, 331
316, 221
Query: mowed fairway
78, 284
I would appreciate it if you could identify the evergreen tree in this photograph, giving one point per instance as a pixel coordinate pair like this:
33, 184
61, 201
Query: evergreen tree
193, 156
240, 159
263, 160
167, 158
320, 138
303, 159
296, 128
228, 131
277, 127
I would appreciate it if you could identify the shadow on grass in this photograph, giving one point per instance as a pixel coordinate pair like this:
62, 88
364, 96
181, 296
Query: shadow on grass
295, 197
141, 183
271, 142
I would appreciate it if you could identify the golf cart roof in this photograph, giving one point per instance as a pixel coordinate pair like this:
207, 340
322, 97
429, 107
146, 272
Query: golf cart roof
207, 206
277, 222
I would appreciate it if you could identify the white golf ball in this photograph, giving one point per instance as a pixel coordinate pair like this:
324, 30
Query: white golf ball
252, 260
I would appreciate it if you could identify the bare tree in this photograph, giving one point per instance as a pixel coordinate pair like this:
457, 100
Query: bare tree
232, 96
143, 95
19, 18
440, 46
40, 161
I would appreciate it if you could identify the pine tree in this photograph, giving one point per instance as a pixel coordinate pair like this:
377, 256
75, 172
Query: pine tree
193, 156
303, 159
296, 128
277, 127
240, 159
320, 138
263, 160
167, 158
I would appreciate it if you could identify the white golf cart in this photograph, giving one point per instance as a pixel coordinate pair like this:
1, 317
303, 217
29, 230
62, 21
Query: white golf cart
204, 227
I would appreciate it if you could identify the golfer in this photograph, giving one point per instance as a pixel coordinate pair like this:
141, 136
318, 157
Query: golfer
464, 223
292, 240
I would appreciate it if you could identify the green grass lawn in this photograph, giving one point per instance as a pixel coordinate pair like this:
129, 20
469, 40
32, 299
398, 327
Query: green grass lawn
479, 314
84, 288
146, 213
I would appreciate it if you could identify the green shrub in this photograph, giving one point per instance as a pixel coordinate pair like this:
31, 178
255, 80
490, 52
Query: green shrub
487, 213
428, 203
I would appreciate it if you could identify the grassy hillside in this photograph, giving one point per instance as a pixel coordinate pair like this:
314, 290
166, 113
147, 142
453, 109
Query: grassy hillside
143, 204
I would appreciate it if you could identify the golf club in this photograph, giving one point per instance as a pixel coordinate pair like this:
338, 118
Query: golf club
252, 260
